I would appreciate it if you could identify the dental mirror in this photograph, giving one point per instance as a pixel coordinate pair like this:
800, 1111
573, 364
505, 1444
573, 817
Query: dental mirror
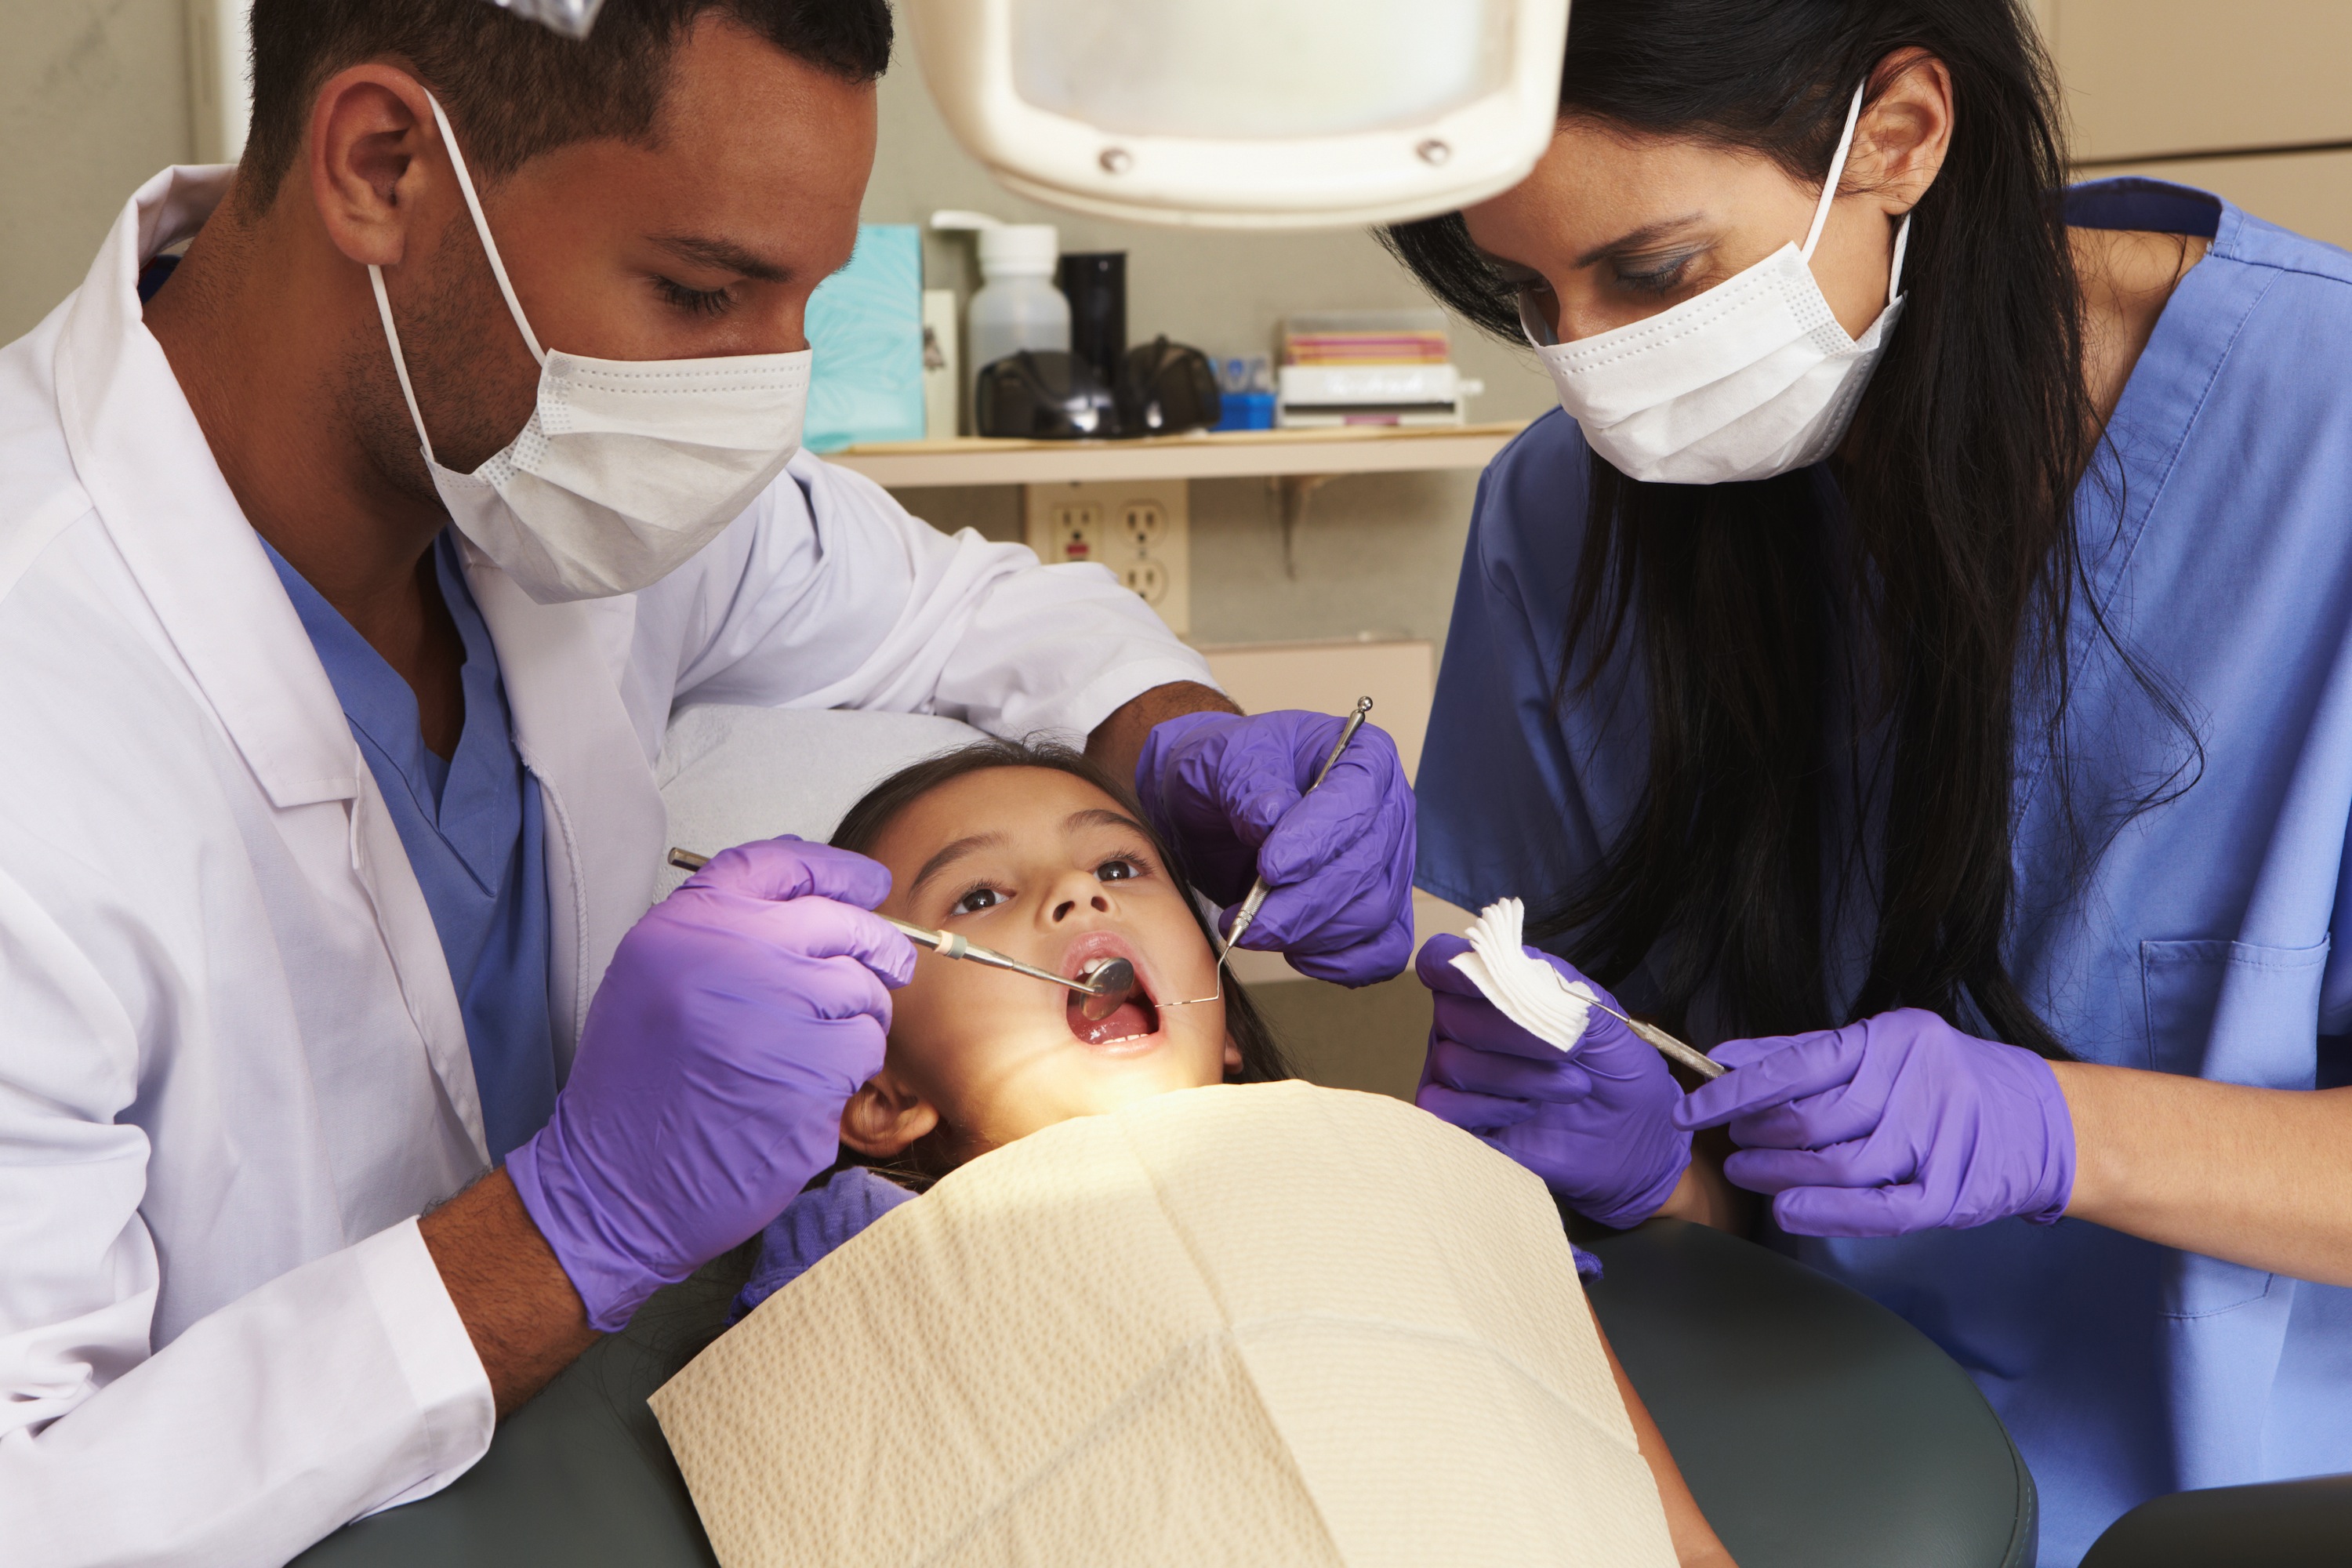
1113, 982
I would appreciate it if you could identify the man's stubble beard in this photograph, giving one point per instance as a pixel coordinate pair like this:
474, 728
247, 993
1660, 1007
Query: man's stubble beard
455, 328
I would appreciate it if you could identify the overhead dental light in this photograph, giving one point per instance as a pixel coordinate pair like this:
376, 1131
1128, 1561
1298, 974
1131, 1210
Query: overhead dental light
1248, 113
1234, 113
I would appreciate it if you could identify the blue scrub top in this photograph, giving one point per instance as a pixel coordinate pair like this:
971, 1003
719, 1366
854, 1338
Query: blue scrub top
2216, 530
475, 837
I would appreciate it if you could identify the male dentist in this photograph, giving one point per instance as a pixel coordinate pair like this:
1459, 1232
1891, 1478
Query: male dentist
351, 567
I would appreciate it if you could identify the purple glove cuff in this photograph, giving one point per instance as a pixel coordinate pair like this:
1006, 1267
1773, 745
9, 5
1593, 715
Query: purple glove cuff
1647, 1203
2058, 1124
610, 1291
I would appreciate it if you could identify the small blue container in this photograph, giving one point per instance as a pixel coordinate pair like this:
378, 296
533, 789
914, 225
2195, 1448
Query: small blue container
1245, 411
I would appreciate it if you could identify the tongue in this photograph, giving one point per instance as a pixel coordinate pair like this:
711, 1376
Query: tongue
1129, 1021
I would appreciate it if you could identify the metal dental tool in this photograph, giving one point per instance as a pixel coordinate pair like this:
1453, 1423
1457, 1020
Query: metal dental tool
1106, 987
1672, 1049
1258, 888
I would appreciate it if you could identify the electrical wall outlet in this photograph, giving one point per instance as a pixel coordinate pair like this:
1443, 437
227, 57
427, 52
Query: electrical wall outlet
1138, 528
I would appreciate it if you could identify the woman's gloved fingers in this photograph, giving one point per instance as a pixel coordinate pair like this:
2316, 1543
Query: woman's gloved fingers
1860, 1211
1780, 1071
1480, 1113
1865, 1164
792, 869
1840, 1115
1457, 1065
1433, 965
1480, 1024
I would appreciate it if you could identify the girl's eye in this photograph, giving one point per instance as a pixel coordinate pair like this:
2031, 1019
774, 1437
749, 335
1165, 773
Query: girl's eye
976, 901
1118, 871
695, 301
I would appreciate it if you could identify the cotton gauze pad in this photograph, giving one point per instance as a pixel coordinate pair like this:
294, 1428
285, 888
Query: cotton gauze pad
1530, 992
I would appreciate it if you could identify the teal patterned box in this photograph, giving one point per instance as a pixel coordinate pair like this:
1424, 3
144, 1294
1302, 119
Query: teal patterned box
865, 323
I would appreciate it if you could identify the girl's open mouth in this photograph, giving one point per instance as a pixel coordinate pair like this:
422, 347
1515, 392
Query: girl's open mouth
1134, 1018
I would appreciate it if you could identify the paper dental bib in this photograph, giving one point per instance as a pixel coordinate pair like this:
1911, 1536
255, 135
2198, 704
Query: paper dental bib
1268, 1323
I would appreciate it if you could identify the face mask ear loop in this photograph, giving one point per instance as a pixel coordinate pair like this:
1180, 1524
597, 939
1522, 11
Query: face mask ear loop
399, 362
1902, 243
1829, 186
490, 245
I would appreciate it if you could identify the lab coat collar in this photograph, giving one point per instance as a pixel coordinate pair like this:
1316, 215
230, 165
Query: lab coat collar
138, 450
140, 453
605, 822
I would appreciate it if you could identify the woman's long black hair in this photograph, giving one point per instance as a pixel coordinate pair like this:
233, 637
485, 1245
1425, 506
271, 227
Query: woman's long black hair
1940, 600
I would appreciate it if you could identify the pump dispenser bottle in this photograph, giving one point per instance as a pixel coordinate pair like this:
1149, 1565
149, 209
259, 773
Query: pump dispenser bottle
1017, 307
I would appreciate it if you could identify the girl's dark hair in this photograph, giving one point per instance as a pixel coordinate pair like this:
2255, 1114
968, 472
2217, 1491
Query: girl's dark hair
1933, 600
1261, 1054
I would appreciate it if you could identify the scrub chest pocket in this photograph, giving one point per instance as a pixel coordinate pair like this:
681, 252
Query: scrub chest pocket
2233, 1013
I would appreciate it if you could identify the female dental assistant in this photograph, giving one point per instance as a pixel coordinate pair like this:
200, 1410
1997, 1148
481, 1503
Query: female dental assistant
1929, 618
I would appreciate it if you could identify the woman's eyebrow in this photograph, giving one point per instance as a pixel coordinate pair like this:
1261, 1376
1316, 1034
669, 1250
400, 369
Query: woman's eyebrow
1648, 234
950, 854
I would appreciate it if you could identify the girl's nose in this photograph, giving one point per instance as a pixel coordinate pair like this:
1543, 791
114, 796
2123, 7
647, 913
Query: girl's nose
1080, 889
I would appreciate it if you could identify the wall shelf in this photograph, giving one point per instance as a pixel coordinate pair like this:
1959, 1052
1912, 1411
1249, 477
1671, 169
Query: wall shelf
1206, 455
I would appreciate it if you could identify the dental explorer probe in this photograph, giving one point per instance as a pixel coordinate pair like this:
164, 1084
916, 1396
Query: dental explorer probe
1258, 888
1104, 986
1672, 1049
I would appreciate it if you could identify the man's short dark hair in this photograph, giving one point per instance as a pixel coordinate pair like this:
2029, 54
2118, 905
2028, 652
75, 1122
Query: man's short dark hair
514, 89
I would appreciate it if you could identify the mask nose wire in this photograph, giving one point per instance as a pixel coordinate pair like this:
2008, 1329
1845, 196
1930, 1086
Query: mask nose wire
1813, 235
499, 266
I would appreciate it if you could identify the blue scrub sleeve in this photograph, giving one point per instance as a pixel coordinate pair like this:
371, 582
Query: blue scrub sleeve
1503, 810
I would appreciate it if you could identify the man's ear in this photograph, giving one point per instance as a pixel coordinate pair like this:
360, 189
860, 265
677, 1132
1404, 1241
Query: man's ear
370, 155
886, 1116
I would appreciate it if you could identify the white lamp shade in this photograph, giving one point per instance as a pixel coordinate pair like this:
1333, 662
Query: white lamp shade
1248, 113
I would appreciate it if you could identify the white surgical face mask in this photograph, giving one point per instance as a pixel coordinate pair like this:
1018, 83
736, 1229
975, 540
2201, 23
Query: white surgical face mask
1752, 378
627, 467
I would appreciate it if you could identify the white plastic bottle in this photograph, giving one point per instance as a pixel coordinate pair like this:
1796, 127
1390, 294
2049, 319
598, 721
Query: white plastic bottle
1017, 306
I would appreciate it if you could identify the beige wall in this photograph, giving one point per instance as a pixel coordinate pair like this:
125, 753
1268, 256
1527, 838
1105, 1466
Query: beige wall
93, 99
1375, 553
2160, 87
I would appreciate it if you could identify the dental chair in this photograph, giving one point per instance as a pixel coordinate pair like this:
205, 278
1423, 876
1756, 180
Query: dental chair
2302, 1524
1817, 1429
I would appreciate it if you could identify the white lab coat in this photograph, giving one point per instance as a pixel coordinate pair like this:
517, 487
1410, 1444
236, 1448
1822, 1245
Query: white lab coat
232, 1065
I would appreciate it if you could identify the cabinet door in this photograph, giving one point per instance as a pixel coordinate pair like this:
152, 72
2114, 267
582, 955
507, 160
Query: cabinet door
2148, 77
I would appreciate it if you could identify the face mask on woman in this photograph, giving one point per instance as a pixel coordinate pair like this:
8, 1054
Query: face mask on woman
1751, 379
627, 467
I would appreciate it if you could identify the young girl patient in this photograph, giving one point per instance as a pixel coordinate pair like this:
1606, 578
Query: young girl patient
1037, 852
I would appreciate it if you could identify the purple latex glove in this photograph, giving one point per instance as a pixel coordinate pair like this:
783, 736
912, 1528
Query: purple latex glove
1595, 1124
1228, 791
737, 1019
1895, 1124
